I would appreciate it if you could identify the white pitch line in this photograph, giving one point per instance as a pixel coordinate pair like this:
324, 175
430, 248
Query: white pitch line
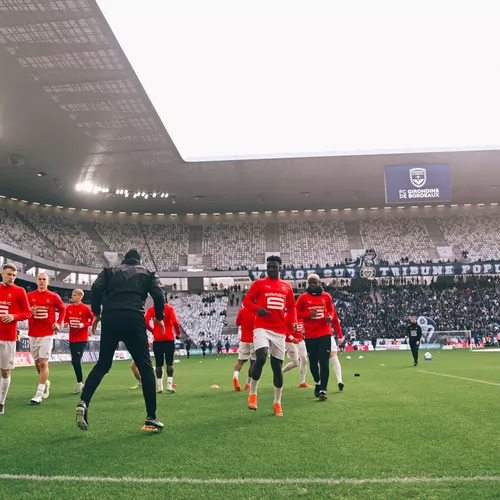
257, 480
461, 378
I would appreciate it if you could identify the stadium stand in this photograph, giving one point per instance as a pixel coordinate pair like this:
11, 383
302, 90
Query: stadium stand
121, 236
18, 234
313, 242
67, 235
395, 238
166, 243
232, 245
471, 305
477, 234
200, 315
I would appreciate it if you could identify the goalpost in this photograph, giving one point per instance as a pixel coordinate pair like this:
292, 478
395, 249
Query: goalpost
452, 338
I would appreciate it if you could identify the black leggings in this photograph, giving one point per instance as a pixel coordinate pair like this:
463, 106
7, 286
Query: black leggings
77, 349
276, 364
318, 350
414, 350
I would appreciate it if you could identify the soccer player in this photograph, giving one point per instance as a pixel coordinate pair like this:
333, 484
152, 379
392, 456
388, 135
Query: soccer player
414, 332
121, 291
41, 329
137, 375
203, 345
315, 309
164, 344
14, 307
187, 344
244, 320
79, 317
297, 353
337, 369
273, 301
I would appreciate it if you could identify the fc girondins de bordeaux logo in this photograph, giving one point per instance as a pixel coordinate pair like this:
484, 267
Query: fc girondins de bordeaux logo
418, 177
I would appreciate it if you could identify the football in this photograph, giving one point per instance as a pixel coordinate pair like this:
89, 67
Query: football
427, 356
361, 357
348, 358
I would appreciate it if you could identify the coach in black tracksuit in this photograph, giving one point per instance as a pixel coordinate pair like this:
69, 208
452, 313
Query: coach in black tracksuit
122, 291
414, 332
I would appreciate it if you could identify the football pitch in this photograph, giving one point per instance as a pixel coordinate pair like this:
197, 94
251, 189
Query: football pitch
397, 431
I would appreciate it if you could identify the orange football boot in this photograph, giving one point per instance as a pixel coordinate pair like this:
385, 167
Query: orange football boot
236, 385
252, 402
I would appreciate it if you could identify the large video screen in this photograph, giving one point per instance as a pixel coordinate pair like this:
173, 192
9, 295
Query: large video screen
417, 183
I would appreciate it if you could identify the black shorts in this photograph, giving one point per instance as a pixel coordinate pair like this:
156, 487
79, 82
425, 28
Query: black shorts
163, 351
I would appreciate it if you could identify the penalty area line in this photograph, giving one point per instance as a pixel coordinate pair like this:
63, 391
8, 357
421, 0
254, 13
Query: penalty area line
461, 378
256, 480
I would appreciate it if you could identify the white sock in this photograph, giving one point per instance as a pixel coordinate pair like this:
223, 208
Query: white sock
249, 380
303, 370
337, 369
41, 388
170, 380
4, 389
277, 395
254, 384
236, 374
290, 366
160, 383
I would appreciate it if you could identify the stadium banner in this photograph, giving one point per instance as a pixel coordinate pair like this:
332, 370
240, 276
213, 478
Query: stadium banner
24, 359
358, 347
368, 269
121, 355
393, 347
414, 183
430, 346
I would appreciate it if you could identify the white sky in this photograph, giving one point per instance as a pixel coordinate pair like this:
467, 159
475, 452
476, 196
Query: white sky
273, 78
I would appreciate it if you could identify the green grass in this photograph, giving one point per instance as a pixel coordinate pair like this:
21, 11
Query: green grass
392, 421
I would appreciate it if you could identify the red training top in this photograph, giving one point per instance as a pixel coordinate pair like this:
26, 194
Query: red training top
290, 332
40, 324
318, 326
276, 297
246, 319
79, 318
170, 321
13, 300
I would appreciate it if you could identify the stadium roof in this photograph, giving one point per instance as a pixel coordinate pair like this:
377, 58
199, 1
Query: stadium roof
72, 111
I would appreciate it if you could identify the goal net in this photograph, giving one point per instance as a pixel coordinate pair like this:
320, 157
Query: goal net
453, 338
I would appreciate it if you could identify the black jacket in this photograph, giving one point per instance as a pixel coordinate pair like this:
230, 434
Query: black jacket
125, 288
414, 332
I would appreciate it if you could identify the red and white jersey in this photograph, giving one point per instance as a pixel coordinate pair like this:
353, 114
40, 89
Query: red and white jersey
245, 320
276, 297
13, 300
79, 318
172, 327
318, 326
47, 302
292, 334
